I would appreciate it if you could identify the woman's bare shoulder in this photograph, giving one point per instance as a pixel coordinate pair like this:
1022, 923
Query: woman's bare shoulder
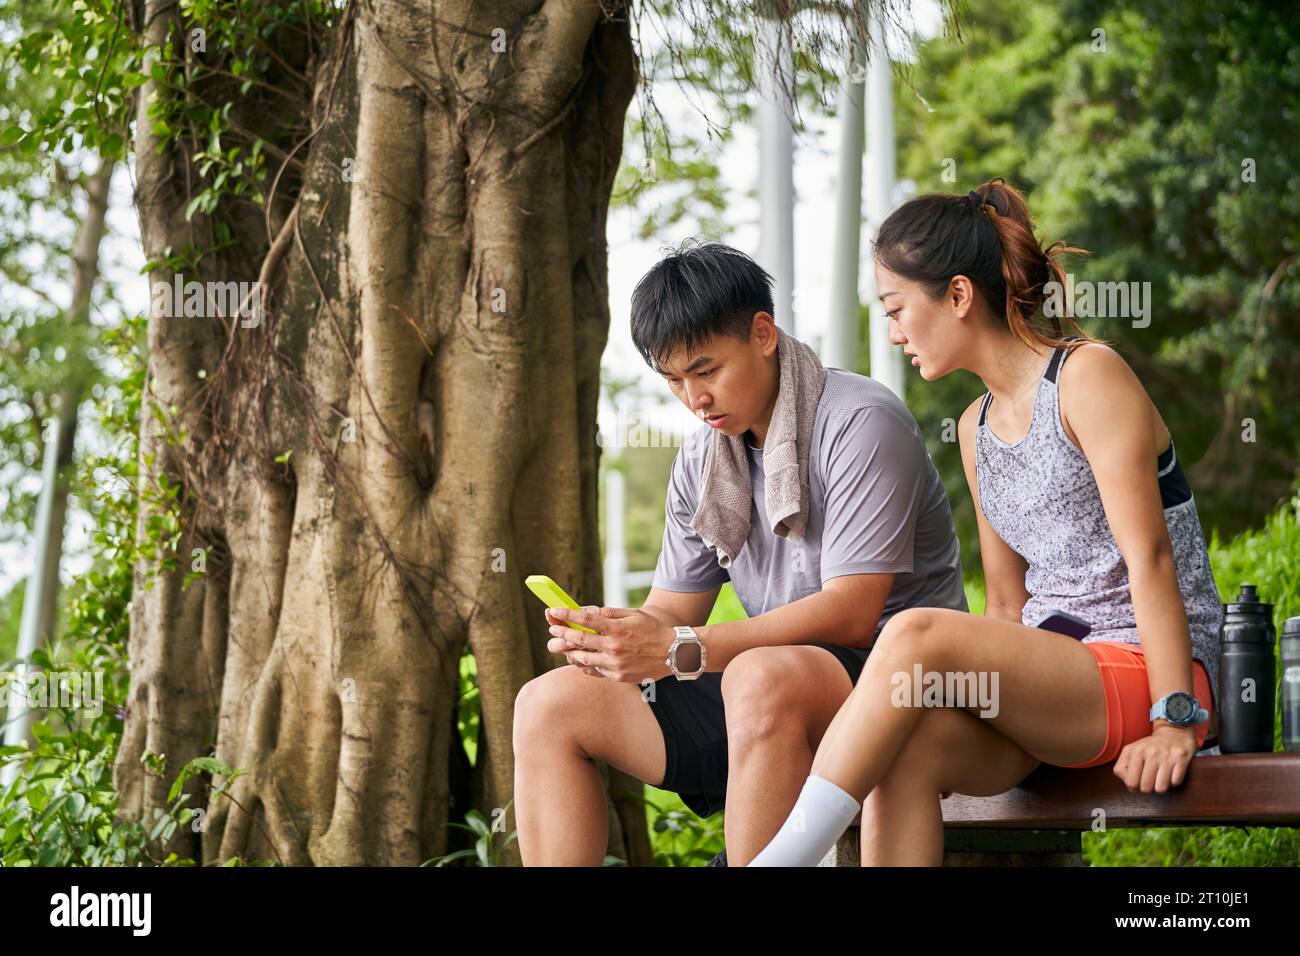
1095, 382
1097, 365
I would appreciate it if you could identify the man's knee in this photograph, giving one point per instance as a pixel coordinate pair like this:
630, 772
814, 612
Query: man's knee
542, 704
592, 718
769, 692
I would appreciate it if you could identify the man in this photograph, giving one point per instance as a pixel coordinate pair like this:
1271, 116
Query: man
742, 731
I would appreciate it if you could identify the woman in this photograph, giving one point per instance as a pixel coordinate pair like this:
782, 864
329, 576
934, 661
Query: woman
1082, 507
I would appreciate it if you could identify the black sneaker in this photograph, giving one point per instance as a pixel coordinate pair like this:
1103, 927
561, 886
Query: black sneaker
720, 859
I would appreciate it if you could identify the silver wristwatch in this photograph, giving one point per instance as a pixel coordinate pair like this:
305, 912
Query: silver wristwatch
687, 656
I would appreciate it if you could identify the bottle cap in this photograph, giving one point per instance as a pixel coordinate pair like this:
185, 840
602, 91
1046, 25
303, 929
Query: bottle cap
1248, 602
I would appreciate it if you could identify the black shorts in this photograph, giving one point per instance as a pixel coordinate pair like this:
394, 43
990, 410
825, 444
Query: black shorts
694, 725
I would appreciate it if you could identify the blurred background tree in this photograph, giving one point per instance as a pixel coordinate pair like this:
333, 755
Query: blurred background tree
59, 146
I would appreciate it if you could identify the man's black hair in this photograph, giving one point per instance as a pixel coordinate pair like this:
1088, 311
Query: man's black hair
697, 291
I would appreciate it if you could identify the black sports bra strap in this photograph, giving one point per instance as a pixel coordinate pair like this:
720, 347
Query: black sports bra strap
984, 406
1058, 359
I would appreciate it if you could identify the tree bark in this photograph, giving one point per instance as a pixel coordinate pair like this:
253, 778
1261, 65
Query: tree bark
427, 376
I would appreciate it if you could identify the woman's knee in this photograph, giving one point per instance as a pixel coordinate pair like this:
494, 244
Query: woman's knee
919, 635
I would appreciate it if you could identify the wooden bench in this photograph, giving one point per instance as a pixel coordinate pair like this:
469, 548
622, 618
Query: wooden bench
1041, 822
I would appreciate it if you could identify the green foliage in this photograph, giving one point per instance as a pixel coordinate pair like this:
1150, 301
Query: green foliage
643, 455
1269, 558
85, 62
469, 711
1193, 846
486, 850
216, 79
687, 170
11, 612
678, 837
975, 594
61, 809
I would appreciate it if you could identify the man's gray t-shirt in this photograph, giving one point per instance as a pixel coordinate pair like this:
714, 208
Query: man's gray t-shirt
877, 505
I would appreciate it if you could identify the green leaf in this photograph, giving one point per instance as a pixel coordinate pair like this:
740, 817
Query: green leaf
450, 857
159, 827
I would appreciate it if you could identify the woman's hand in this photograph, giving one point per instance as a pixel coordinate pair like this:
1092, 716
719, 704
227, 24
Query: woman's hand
1158, 761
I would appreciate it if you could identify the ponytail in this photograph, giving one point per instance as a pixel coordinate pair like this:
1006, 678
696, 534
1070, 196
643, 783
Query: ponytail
987, 236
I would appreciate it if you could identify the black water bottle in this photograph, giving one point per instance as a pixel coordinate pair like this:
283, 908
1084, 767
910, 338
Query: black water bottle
1247, 675
1291, 684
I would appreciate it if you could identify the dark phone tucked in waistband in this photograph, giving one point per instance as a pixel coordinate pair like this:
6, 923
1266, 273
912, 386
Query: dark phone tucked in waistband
1062, 622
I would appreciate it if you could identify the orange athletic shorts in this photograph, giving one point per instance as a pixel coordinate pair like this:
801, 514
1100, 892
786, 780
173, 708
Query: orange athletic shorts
1128, 698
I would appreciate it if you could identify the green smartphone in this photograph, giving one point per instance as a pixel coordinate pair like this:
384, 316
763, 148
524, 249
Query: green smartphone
553, 595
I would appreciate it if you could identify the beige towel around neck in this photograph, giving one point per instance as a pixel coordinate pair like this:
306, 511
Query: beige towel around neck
722, 518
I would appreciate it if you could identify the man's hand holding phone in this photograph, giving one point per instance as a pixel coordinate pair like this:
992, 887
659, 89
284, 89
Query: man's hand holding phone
630, 645
620, 643
560, 645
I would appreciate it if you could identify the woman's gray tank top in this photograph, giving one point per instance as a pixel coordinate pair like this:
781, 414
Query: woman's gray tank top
1040, 496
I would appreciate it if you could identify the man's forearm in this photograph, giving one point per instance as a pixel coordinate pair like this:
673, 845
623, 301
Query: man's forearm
818, 618
659, 614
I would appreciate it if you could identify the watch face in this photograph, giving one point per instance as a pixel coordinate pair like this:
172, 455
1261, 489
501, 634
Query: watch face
688, 657
1179, 708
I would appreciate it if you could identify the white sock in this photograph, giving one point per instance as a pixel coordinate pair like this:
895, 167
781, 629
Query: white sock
820, 815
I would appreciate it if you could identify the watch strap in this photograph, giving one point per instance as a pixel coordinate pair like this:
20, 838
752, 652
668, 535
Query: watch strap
1160, 711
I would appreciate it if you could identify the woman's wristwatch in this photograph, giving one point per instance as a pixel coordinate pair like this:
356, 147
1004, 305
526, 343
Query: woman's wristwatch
687, 656
1179, 708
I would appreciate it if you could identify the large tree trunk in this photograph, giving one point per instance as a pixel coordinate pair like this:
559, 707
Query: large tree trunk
429, 363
